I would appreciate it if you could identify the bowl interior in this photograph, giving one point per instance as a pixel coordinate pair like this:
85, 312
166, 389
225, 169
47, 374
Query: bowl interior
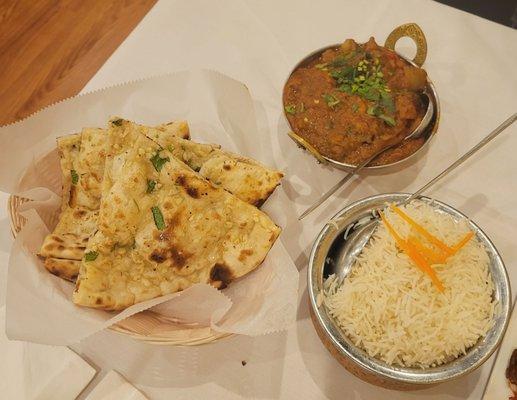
332, 253
427, 134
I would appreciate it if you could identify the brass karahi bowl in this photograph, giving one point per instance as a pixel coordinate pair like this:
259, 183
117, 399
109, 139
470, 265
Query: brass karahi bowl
414, 32
333, 253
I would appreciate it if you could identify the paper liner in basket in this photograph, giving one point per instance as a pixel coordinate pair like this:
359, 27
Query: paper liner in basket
219, 110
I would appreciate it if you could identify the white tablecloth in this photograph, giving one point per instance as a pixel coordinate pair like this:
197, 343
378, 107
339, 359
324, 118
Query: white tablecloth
471, 61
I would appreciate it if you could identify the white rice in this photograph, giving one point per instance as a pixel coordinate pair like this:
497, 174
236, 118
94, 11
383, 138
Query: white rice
390, 308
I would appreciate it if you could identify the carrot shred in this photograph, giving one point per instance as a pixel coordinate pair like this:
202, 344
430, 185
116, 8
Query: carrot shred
457, 247
427, 252
424, 266
413, 254
433, 239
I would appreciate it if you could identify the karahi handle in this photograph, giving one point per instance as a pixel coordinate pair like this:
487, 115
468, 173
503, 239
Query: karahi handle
414, 32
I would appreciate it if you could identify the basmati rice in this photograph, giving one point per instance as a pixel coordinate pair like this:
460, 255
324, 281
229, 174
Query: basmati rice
390, 308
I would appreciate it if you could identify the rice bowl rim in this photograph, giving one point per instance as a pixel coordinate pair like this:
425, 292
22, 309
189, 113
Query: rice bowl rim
462, 365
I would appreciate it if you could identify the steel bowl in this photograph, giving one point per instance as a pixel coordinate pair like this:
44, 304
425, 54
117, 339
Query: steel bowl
414, 32
332, 253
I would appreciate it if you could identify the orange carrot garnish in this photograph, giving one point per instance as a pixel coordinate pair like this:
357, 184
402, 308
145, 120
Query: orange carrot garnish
419, 228
424, 266
462, 242
428, 253
413, 254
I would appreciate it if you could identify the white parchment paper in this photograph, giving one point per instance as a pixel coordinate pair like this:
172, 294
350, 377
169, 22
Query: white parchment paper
219, 110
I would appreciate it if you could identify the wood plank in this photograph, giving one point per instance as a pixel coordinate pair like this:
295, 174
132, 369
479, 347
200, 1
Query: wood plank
50, 49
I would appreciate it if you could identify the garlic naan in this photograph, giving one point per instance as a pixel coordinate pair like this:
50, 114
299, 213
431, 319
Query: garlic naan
163, 227
83, 165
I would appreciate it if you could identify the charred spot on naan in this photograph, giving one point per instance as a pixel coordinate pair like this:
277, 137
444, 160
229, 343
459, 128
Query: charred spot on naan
244, 254
220, 276
66, 269
195, 188
79, 214
117, 122
262, 199
167, 205
158, 256
171, 223
72, 200
173, 255
178, 257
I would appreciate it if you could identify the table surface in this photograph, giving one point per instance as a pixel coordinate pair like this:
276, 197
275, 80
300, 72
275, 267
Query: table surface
50, 49
257, 42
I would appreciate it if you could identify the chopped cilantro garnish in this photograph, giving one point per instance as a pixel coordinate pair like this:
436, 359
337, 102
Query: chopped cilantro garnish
75, 176
331, 100
346, 74
339, 61
91, 256
387, 102
158, 162
389, 120
355, 107
158, 218
365, 79
373, 110
372, 94
150, 186
376, 111
290, 109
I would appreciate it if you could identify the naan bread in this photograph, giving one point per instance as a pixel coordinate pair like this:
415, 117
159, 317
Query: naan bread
66, 269
179, 129
160, 238
68, 149
89, 167
244, 177
77, 221
83, 163
82, 160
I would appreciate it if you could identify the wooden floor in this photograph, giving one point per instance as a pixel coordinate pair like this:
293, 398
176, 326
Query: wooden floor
49, 49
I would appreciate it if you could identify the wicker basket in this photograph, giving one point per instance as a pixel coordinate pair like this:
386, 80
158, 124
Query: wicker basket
146, 326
